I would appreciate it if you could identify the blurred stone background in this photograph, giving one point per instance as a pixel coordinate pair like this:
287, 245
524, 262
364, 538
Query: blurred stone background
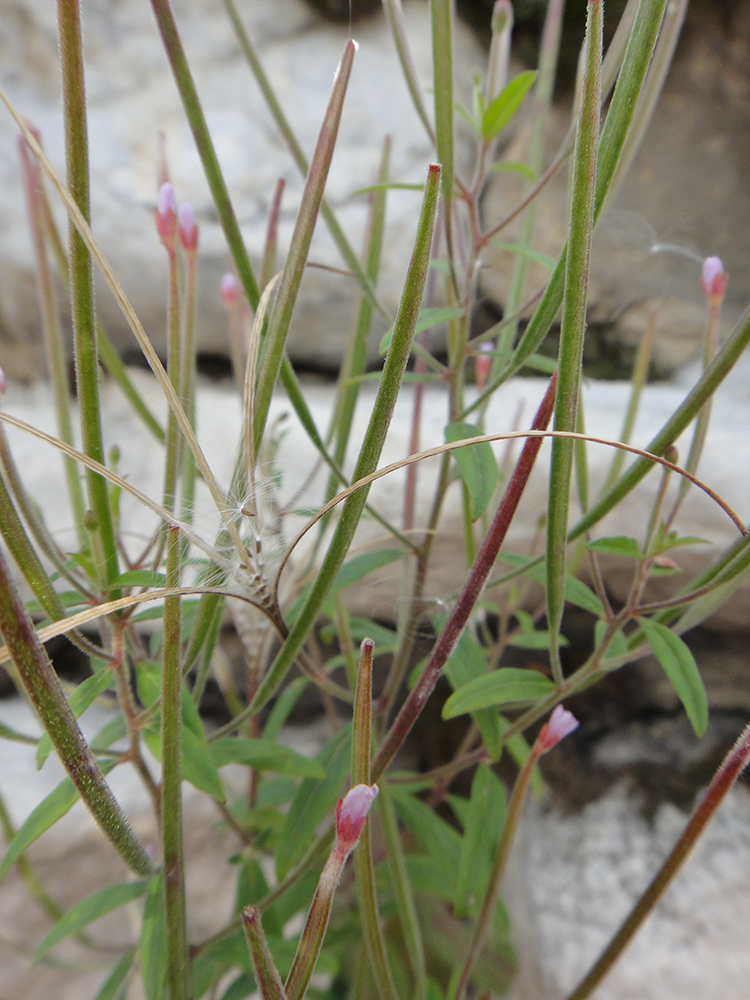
688, 185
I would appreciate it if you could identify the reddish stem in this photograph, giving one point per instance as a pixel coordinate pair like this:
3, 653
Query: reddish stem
471, 592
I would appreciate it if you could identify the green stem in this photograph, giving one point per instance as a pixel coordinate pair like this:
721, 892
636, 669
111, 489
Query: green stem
81, 278
266, 974
277, 113
171, 458
314, 931
515, 807
573, 327
53, 339
470, 593
46, 696
186, 87
286, 295
372, 445
178, 966
407, 910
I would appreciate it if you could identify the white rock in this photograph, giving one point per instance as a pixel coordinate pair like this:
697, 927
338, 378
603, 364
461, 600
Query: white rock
132, 97
581, 874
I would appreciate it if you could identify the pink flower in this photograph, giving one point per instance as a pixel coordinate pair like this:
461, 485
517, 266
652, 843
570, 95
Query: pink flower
229, 288
561, 724
165, 216
3, 383
483, 364
713, 279
186, 227
351, 813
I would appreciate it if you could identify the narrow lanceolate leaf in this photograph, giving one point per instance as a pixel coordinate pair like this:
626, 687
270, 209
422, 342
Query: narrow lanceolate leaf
482, 829
86, 692
47, 813
476, 466
153, 944
679, 666
630, 80
286, 296
90, 909
204, 144
263, 755
466, 663
81, 279
505, 105
47, 697
313, 800
372, 445
112, 987
573, 324
501, 687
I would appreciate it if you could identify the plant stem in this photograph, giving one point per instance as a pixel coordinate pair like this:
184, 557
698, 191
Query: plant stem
185, 85
178, 966
573, 327
470, 593
49, 702
81, 278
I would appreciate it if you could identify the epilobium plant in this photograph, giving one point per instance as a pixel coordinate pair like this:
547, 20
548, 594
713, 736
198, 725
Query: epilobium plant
418, 913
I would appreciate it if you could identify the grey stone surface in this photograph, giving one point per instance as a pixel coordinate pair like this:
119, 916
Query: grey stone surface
132, 97
582, 873
687, 186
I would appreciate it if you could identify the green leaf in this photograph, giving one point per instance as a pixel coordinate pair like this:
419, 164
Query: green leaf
426, 319
360, 566
498, 688
576, 592
196, 762
618, 646
47, 813
438, 838
263, 755
617, 545
505, 105
214, 960
153, 946
518, 747
529, 636
198, 766
679, 666
484, 822
516, 168
6, 733
523, 250
672, 541
476, 466
86, 693
466, 662
314, 799
112, 987
88, 910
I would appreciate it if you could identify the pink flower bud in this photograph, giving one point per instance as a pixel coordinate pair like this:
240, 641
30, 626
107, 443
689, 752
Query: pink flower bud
186, 227
351, 813
3, 383
713, 279
561, 724
165, 216
230, 289
483, 364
